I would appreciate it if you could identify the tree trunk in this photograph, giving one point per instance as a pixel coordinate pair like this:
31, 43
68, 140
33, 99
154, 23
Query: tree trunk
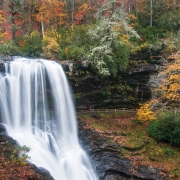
91, 14
130, 6
151, 12
23, 16
13, 30
123, 5
137, 10
73, 8
42, 26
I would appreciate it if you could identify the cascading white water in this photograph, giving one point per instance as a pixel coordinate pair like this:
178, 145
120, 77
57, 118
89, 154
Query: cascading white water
29, 90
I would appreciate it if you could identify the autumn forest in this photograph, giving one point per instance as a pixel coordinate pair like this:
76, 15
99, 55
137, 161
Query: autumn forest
105, 38
82, 29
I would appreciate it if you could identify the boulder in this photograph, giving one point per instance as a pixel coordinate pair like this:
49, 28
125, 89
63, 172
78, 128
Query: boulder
96, 115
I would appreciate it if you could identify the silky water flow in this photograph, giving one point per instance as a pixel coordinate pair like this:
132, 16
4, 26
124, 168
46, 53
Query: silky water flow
38, 111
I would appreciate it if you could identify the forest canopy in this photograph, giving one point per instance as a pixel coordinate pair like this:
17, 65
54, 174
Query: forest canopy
100, 33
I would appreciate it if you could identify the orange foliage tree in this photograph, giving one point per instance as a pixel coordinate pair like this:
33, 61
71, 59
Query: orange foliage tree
80, 16
51, 14
29, 23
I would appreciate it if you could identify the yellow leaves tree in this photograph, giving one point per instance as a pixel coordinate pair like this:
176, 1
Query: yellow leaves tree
170, 88
2, 34
144, 113
50, 47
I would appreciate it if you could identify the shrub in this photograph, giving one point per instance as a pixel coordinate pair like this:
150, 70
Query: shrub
31, 45
106, 94
151, 34
144, 113
166, 128
173, 42
50, 47
19, 155
73, 42
170, 21
9, 48
61, 54
76, 52
170, 152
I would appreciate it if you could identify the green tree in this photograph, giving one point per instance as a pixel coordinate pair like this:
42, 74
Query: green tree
109, 52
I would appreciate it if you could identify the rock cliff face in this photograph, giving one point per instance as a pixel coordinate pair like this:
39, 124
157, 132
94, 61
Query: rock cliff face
127, 90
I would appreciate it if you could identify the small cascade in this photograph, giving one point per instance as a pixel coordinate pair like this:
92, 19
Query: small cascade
38, 111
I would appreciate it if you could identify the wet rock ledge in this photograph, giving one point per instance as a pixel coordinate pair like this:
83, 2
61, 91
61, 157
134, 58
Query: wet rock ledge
109, 163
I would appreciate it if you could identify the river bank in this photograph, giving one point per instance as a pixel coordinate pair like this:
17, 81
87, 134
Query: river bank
121, 149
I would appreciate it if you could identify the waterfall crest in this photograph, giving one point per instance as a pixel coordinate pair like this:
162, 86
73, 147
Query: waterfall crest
37, 109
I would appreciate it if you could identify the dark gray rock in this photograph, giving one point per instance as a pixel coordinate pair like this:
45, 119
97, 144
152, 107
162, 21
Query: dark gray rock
2, 129
141, 77
45, 175
96, 115
161, 61
110, 165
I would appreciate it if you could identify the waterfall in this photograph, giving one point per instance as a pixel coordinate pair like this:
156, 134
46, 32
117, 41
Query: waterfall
38, 111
